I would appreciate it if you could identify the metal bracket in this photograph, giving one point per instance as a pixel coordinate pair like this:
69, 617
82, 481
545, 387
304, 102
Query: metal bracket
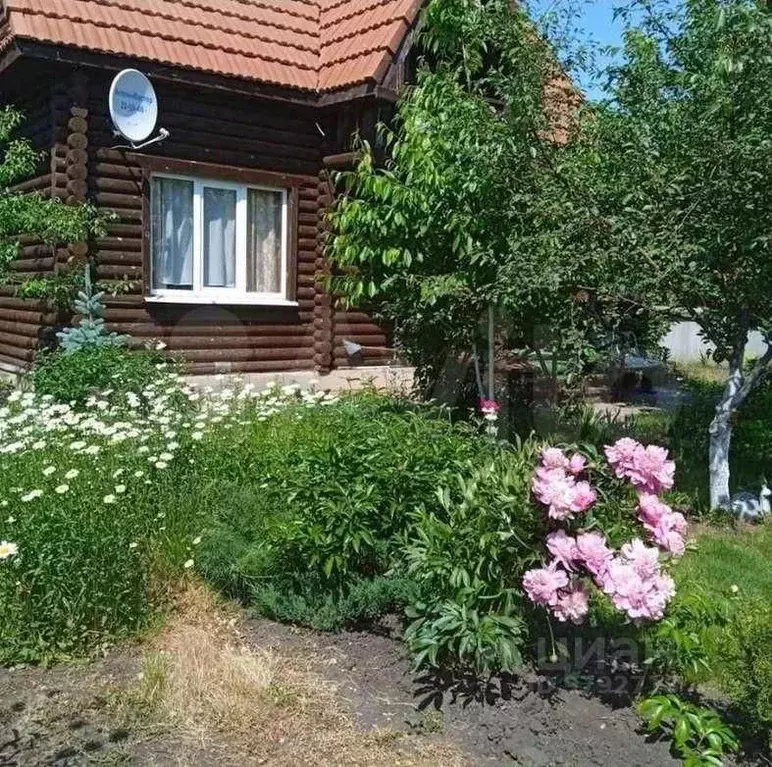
163, 134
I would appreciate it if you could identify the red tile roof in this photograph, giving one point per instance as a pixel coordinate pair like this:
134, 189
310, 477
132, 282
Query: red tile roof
314, 45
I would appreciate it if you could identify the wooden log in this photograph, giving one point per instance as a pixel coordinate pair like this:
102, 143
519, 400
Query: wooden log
77, 141
118, 271
286, 344
18, 340
33, 184
131, 202
78, 125
274, 366
248, 355
19, 328
16, 352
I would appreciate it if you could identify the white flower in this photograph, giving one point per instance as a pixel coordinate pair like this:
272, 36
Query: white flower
139, 473
133, 545
197, 540
160, 346
31, 495
161, 465
735, 588
39, 445
166, 456
172, 445
78, 445
71, 474
189, 564
117, 473
8, 550
49, 470
120, 489
92, 450
61, 489
197, 435
109, 499
10, 520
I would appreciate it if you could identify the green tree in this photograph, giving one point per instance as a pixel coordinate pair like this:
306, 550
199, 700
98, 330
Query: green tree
48, 219
471, 206
678, 166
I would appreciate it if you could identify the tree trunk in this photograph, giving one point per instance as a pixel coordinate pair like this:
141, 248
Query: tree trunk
721, 431
720, 441
736, 391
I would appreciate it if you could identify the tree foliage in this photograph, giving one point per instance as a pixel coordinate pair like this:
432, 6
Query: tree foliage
678, 164
48, 219
473, 202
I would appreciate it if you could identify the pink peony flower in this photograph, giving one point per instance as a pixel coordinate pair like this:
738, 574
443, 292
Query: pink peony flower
577, 464
563, 548
584, 497
543, 584
573, 605
563, 495
667, 536
648, 468
651, 471
621, 455
644, 559
554, 458
592, 551
640, 598
489, 407
651, 510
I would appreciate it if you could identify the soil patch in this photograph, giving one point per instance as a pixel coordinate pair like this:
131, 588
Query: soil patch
526, 723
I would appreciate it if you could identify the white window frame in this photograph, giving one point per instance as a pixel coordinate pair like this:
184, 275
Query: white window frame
237, 295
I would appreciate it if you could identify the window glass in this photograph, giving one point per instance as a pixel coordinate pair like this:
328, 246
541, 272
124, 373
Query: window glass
264, 240
219, 237
172, 234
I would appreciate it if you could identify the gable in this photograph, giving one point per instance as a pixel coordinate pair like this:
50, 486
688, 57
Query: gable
310, 45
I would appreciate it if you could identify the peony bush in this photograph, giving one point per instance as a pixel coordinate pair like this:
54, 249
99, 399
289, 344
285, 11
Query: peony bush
582, 562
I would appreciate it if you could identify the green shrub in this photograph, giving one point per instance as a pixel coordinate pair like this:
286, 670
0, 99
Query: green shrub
308, 603
75, 376
467, 551
746, 655
328, 494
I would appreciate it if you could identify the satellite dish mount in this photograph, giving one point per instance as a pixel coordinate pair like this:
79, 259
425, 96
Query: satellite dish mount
134, 110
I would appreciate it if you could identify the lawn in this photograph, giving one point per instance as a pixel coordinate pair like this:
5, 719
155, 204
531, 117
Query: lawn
727, 557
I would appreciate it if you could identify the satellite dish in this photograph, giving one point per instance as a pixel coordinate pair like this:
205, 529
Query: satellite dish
133, 106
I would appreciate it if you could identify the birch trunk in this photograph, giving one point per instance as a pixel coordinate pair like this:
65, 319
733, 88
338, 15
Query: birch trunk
721, 432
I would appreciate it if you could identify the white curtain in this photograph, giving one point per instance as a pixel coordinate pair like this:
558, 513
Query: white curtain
264, 240
219, 238
172, 233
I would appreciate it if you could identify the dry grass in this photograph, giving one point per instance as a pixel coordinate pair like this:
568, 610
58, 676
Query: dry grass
256, 707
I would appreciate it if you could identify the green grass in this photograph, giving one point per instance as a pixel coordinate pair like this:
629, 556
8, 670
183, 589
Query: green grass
731, 557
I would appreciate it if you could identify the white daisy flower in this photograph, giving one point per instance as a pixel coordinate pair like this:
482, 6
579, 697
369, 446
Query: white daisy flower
189, 564
61, 489
49, 470
108, 499
8, 550
72, 473
120, 489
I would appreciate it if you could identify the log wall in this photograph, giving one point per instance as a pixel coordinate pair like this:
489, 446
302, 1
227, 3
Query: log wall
85, 162
23, 323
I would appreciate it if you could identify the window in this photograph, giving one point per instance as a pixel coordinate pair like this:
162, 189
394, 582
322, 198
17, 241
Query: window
213, 241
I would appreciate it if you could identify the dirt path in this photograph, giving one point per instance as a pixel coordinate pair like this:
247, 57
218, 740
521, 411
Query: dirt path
214, 689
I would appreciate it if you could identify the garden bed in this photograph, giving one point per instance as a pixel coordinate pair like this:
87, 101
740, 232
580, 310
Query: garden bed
104, 713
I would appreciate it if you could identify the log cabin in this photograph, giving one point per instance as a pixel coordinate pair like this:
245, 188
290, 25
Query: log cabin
219, 230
